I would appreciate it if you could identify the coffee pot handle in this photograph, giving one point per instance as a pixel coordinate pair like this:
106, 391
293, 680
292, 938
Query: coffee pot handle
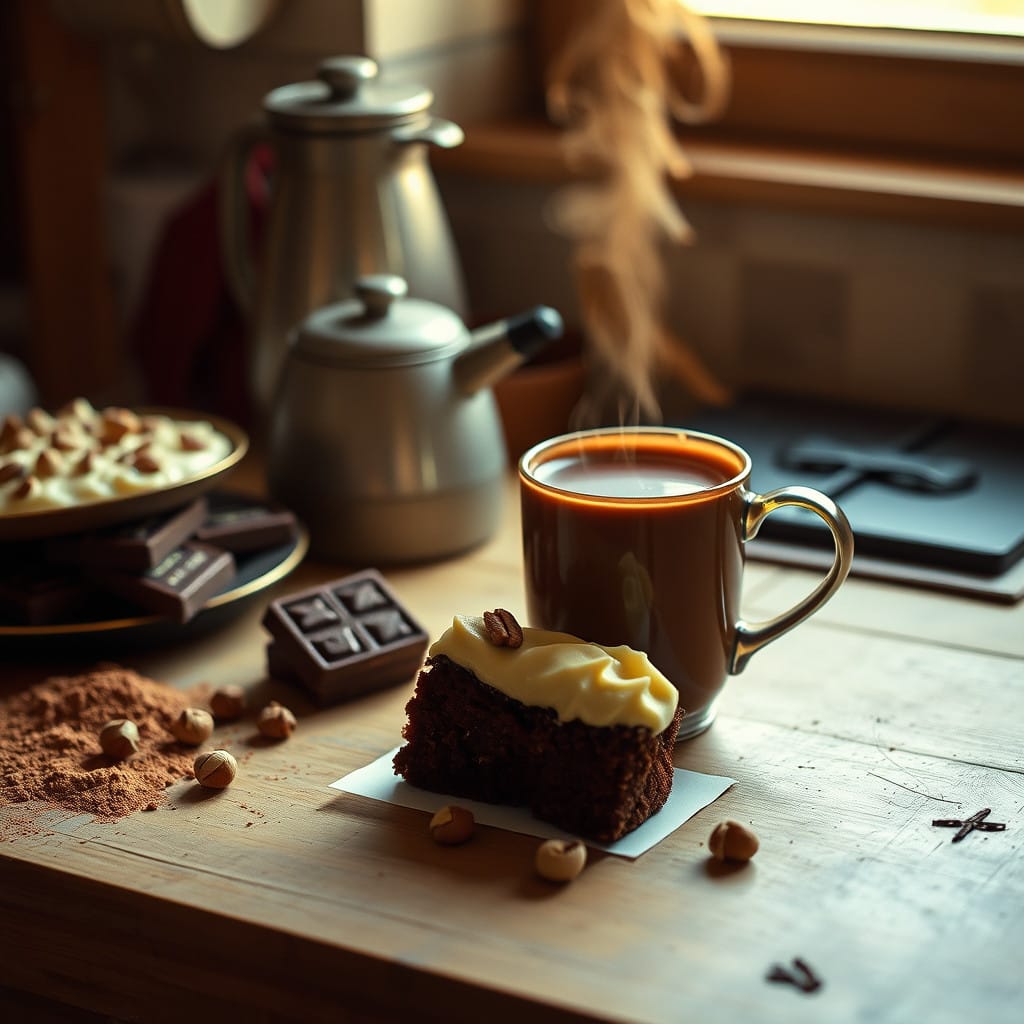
233, 214
751, 637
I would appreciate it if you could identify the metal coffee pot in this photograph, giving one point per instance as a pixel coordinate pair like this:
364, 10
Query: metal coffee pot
386, 438
352, 193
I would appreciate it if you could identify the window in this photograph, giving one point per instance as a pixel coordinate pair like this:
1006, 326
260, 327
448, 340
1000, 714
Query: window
1005, 17
924, 125
923, 79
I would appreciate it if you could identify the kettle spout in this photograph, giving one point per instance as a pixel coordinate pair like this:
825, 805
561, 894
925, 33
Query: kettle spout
497, 349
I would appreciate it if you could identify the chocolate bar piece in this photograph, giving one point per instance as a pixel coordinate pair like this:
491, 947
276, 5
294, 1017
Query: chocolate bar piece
279, 664
344, 638
133, 547
236, 523
180, 585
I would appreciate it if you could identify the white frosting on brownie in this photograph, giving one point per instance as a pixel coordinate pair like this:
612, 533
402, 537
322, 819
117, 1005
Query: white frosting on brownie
600, 686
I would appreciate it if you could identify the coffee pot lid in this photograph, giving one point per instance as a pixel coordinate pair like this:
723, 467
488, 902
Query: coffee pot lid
381, 327
347, 96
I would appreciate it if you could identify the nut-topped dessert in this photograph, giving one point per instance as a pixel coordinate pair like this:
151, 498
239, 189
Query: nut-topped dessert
581, 734
82, 454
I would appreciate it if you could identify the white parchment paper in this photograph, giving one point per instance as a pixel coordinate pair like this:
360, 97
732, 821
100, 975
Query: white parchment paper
691, 792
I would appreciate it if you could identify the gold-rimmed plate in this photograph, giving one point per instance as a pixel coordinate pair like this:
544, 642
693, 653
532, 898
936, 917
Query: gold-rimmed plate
57, 520
255, 571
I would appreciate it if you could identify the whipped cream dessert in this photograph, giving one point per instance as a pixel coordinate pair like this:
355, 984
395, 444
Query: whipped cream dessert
600, 686
82, 455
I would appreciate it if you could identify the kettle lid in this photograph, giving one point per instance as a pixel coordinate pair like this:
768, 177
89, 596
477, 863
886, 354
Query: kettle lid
347, 96
381, 327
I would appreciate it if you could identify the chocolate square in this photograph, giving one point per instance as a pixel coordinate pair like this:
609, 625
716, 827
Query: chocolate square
344, 638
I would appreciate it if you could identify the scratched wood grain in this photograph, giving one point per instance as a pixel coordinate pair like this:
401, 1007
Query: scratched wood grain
283, 899
888, 608
851, 876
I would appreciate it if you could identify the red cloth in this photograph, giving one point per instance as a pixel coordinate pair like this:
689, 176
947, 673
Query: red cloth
189, 338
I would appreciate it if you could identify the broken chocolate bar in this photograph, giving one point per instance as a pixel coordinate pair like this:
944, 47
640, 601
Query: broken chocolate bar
180, 585
135, 546
343, 639
236, 523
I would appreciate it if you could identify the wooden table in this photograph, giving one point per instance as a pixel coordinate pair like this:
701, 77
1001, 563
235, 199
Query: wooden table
283, 899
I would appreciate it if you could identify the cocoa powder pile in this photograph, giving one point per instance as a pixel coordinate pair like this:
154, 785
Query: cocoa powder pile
50, 749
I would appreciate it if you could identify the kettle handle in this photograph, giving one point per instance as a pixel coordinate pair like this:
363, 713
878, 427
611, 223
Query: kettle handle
234, 232
497, 349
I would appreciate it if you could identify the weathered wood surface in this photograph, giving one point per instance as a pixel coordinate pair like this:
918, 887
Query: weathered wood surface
284, 899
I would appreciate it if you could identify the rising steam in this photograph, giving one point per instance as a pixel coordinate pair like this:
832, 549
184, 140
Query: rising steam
611, 83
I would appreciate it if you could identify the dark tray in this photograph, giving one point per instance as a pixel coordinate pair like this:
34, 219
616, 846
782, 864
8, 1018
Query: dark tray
917, 489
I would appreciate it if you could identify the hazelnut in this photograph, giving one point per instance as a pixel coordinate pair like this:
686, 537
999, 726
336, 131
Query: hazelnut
142, 462
276, 722
21, 441
215, 769
77, 410
560, 860
9, 430
28, 488
119, 738
452, 825
49, 463
228, 703
190, 442
732, 841
193, 726
65, 439
118, 422
39, 421
84, 466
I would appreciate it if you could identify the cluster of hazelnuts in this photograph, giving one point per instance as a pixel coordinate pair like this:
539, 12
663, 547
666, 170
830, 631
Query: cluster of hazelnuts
562, 860
557, 860
214, 769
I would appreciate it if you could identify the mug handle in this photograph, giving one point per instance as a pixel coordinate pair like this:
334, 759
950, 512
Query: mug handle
751, 637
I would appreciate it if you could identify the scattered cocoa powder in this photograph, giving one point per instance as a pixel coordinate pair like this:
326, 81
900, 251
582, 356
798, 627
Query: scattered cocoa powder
49, 747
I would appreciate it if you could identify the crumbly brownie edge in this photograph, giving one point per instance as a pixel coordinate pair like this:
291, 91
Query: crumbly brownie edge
597, 782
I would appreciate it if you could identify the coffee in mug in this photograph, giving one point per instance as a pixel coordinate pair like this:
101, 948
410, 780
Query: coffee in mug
636, 536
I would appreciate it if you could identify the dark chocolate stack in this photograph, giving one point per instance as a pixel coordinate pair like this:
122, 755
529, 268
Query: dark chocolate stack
169, 564
344, 638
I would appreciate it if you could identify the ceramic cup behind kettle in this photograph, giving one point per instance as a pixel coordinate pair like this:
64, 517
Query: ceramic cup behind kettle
386, 438
351, 193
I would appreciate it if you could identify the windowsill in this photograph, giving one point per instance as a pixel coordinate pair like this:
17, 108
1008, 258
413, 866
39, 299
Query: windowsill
869, 41
799, 177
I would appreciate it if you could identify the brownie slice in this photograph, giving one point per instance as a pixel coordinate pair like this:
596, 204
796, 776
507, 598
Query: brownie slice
466, 738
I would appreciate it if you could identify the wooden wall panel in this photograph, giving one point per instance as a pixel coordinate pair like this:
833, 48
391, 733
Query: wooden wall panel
61, 166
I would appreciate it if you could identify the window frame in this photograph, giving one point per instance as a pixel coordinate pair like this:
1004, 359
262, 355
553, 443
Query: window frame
917, 93
931, 132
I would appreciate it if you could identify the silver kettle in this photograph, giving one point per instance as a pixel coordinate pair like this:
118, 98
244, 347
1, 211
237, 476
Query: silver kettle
352, 193
386, 438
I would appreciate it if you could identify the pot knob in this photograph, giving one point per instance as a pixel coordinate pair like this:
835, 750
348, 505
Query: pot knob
345, 76
378, 291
